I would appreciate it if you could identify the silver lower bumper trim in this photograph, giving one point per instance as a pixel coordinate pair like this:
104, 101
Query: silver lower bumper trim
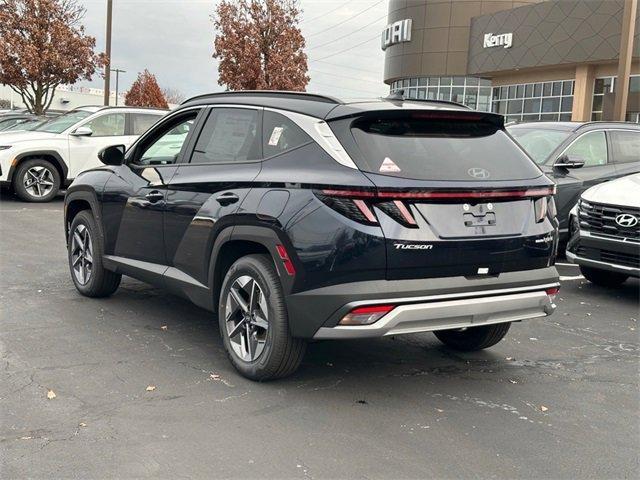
587, 262
451, 314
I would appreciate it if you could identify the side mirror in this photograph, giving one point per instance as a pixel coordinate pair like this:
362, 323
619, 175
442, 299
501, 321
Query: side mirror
113, 155
82, 132
569, 161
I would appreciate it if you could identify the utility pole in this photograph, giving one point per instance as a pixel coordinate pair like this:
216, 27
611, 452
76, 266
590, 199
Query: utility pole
107, 66
118, 72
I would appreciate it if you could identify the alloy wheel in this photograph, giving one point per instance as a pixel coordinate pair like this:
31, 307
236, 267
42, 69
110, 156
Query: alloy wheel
38, 181
81, 254
246, 318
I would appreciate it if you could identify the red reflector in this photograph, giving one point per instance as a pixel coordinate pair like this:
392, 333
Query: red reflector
373, 309
552, 290
286, 261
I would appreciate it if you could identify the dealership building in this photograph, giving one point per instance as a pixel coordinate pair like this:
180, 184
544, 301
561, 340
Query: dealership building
528, 59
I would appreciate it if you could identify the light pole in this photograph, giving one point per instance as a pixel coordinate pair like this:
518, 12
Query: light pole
118, 72
107, 66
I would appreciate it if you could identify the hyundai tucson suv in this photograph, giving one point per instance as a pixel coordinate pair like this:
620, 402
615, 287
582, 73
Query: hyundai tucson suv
38, 162
298, 217
579, 155
604, 232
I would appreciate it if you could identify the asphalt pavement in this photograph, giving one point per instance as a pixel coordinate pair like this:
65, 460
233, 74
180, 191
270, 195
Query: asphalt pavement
143, 388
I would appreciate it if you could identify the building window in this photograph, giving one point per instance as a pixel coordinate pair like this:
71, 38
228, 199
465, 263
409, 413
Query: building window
473, 92
605, 85
530, 102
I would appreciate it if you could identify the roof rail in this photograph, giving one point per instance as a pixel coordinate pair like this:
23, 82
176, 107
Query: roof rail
598, 122
398, 95
268, 93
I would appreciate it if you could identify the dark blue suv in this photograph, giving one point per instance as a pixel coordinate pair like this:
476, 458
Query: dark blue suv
295, 216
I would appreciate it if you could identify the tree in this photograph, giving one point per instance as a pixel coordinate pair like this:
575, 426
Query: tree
145, 92
173, 95
259, 45
43, 45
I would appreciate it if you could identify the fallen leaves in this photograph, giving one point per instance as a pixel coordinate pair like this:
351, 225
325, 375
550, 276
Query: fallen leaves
150, 388
51, 394
543, 408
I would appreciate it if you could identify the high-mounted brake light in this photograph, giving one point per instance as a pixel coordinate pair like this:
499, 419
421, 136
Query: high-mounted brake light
366, 315
286, 261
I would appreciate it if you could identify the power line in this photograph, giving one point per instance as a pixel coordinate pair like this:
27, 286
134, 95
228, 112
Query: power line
347, 19
347, 76
345, 66
348, 34
304, 20
347, 49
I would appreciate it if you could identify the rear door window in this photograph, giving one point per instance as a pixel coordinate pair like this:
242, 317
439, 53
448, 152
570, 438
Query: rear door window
229, 135
422, 148
625, 146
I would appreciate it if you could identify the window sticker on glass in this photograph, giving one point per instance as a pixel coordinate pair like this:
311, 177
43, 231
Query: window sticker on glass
275, 136
388, 165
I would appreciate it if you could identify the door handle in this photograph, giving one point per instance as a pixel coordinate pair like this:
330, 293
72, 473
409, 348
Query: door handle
227, 198
154, 196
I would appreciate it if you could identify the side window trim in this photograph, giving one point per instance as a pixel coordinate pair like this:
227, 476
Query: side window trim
132, 154
208, 113
606, 139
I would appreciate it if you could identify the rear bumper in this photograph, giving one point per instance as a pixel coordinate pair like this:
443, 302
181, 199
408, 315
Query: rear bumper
449, 314
435, 303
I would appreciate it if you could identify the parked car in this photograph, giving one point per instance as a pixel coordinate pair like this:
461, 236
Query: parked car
25, 125
579, 155
298, 216
37, 163
604, 232
8, 120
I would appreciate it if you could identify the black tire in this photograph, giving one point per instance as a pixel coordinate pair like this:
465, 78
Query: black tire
474, 338
281, 354
603, 278
23, 174
99, 281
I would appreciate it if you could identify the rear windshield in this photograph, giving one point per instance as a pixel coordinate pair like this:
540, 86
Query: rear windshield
537, 142
437, 149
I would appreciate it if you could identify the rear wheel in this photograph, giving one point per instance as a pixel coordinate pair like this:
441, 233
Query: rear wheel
253, 321
604, 278
36, 180
85, 259
474, 338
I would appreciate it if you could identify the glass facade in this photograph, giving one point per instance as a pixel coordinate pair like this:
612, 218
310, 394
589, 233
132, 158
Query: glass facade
531, 102
606, 85
470, 91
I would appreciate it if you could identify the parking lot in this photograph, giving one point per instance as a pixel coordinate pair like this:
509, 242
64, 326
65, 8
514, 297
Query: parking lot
558, 398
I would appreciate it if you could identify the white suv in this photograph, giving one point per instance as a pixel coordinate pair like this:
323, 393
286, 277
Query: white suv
37, 163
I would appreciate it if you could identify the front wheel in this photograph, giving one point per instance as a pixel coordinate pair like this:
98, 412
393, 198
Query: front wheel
36, 180
474, 338
253, 321
603, 278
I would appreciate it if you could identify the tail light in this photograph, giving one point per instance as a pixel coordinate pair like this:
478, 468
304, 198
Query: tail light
544, 206
366, 315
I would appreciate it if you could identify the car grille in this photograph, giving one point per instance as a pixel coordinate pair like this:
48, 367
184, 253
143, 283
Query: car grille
609, 256
601, 220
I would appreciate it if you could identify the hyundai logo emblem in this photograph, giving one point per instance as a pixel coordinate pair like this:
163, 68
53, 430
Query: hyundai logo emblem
480, 173
627, 220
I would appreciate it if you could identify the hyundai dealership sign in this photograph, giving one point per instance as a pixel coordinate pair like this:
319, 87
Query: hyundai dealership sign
501, 40
396, 32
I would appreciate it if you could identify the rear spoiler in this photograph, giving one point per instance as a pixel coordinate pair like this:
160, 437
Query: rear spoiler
406, 109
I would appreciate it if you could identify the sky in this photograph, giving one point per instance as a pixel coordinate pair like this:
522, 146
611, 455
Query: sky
174, 40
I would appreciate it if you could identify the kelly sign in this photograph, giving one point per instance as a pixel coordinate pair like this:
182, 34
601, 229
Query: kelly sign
499, 40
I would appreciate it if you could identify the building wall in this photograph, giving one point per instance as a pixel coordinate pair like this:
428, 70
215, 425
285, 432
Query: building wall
440, 35
66, 97
560, 32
